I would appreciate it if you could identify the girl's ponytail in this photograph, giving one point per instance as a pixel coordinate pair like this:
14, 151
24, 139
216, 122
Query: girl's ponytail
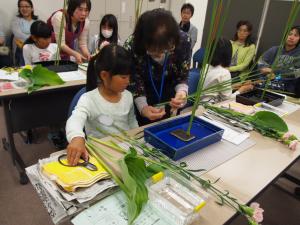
91, 76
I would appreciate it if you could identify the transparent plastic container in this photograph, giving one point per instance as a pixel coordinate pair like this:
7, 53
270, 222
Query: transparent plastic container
176, 199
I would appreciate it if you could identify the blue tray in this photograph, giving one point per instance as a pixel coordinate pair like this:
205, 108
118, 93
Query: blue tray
159, 136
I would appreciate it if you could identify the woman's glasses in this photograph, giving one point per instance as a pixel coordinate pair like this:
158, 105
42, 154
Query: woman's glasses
24, 6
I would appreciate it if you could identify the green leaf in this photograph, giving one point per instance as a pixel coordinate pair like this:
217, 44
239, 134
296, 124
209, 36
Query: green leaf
269, 120
41, 76
25, 73
134, 176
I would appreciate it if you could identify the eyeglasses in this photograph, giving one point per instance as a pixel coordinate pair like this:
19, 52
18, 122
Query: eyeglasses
160, 52
24, 6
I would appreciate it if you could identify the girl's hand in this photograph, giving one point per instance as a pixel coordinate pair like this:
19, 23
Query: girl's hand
153, 113
104, 43
75, 150
179, 101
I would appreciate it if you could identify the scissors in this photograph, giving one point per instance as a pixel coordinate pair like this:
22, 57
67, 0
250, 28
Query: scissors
86, 164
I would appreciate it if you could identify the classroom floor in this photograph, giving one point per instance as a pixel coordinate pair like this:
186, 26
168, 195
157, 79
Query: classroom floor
20, 205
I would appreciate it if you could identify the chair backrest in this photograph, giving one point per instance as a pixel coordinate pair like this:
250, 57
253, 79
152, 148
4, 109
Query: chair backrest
193, 79
75, 100
198, 58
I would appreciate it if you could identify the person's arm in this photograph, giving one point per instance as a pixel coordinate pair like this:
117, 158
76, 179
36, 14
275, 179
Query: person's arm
1, 41
266, 60
183, 64
56, 21
74, 131
131, 116
194, 35
247, 59
83, 40
225, 76
18, 34
27, 54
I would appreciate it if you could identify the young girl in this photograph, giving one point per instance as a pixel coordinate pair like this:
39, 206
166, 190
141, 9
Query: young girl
108, 33
38, 46
218, 73
107, 103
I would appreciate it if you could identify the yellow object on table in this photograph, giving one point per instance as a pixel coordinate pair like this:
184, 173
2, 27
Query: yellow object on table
70, 178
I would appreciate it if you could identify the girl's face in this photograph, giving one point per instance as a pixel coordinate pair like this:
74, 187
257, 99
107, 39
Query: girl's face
116, 83
106, 31
293, 38
243, 33
42, 43
186, 15
81, 13
25, 9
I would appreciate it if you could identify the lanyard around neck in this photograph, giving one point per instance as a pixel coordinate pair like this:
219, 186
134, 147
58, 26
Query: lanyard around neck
163, 77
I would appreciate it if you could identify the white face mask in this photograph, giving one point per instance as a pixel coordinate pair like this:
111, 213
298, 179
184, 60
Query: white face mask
160, 59
106, 33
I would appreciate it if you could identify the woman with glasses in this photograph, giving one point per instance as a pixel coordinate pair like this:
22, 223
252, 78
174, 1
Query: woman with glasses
161, 58
21, 28
76, 30
243, 48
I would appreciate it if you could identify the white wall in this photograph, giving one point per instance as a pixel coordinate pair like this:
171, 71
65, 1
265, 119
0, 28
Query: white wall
42, 8
198, 19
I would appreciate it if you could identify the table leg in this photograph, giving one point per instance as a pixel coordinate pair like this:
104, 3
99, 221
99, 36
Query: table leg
9, 145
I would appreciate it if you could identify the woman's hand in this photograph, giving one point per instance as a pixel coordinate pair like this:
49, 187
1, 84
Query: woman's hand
79, 58
245, 88
266, 70
75, 150
179, 101
153, 113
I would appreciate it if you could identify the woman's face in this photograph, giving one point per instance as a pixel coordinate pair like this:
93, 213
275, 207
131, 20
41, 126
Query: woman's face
81, 13
293, 38
243, 33
25, 9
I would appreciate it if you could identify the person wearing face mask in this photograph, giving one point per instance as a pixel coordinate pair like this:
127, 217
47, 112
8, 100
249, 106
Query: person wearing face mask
161, 61
108, 34
76, 28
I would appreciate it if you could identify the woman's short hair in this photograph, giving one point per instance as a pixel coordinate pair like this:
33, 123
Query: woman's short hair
73, 4
34, 17
156, 30
222, 54
249, 40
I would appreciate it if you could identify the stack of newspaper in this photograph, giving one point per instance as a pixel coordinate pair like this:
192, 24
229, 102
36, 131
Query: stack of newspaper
62, 205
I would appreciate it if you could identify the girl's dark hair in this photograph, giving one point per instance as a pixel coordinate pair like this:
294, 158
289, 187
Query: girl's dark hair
156, 29
112, 58
39, 29
73, 4
112, 22
34, 17
188, 6
297, 28
223, 53
249, 39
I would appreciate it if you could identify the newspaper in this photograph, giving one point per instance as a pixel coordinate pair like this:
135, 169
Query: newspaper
62, 205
